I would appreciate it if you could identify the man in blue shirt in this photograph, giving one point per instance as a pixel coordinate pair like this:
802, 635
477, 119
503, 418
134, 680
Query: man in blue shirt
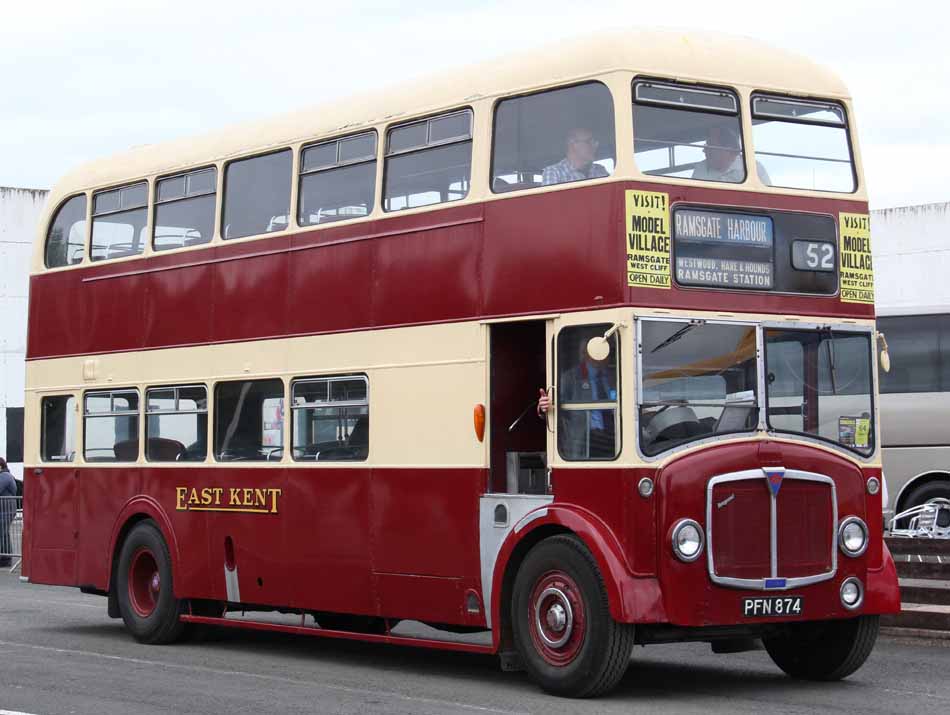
8, 509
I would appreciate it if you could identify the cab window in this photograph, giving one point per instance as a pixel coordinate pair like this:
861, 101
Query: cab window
587, 396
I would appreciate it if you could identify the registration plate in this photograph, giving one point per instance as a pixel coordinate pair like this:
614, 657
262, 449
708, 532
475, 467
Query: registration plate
773, 606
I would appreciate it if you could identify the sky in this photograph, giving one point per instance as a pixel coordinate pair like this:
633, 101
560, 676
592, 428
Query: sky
85, 79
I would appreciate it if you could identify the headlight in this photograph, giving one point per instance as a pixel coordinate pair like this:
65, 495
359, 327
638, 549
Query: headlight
687, 540
852, 593
853, 536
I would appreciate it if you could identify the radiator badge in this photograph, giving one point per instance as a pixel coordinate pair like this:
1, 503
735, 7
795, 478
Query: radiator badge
725, 502
774, 477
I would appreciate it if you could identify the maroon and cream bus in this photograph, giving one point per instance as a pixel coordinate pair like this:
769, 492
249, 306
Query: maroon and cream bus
667, 233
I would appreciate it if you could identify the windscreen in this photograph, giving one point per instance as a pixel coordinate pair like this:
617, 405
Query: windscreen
698, 380
818, 383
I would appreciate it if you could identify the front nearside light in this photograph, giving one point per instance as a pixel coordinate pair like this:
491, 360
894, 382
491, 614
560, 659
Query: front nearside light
853, 537
687, 540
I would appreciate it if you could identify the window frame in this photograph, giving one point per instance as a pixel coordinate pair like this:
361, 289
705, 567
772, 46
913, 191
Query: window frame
695, 109
213, 453
291, 220
387, 154
87, 218
148, 413
137, 412
792, 99
618, 408
336, 377
494, 130
301, 172
93, 215
156, 202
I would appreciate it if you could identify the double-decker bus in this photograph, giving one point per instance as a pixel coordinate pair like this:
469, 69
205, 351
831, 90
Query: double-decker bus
666, 234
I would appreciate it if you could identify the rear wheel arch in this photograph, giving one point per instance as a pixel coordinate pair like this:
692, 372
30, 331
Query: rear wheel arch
135, 511
907, 491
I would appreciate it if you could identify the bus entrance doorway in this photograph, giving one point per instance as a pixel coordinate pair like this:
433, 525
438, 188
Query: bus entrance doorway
518, 438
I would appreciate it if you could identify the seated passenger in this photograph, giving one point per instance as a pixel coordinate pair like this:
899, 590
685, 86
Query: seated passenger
578, 163
724, 158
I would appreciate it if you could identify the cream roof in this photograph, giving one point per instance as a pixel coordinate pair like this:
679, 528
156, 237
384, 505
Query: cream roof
699, 56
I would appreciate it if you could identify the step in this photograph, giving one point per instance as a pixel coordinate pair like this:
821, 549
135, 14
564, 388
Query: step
921, 590
919, 615
926, 547
923, 570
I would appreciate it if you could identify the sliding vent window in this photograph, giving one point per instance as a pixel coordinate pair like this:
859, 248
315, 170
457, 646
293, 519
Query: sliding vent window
687, 131
111, 426
67, 234
257, 195
553, 137
249, 421
337, 180
697, 380
587, 399
802, 144
428, 162
176, 424
331, 419
184, 209
118, 222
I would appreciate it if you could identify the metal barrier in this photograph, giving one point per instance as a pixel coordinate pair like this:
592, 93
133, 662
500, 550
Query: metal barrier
11, 532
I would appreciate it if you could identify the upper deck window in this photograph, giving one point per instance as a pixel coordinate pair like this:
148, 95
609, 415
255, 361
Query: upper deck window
337, 179
688, 132
257, 195
67, 234
184, 209
553, 137
802, 144
428, 161
118, 222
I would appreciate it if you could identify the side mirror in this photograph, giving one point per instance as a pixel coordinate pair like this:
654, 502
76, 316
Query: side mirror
885, 355
598, 348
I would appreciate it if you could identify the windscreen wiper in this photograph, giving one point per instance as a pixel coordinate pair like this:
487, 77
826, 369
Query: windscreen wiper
677, 335
831, 359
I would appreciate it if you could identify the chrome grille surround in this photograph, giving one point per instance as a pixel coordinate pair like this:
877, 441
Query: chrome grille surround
763, 584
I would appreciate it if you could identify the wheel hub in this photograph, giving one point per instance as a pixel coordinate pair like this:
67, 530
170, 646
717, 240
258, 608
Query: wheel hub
558, 622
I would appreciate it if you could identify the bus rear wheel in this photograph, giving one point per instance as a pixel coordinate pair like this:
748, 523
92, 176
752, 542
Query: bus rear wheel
826, 650
568, 641
144, 590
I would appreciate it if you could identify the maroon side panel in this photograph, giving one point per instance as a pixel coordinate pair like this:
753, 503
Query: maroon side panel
102, 494
326, 512
178, 306
554, 251
112, 311
424, 522
53, 501
249, 294
329, 288
55, 314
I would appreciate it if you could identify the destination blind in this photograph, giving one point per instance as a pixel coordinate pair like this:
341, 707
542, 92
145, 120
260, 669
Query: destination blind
723, 250
648, 239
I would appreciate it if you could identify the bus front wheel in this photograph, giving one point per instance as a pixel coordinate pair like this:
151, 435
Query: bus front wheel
568, 641
826, 650
144, 587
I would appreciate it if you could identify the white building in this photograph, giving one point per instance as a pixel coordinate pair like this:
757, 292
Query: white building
19, 213
911, 250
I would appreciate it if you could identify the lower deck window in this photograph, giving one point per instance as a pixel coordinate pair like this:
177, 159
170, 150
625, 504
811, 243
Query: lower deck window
111, 426
58, 429
249, 420
176, 425
331, 419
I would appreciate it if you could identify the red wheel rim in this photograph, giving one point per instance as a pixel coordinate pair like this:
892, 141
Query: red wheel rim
145, 582
557, 618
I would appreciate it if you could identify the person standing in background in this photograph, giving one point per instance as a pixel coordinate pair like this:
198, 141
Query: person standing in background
7, 512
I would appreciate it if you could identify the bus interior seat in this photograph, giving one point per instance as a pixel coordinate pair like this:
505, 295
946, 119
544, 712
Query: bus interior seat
127, 450
161, 449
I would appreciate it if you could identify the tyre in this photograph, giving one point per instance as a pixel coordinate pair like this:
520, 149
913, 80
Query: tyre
568, 641
924, 493
825, 650
144, 587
